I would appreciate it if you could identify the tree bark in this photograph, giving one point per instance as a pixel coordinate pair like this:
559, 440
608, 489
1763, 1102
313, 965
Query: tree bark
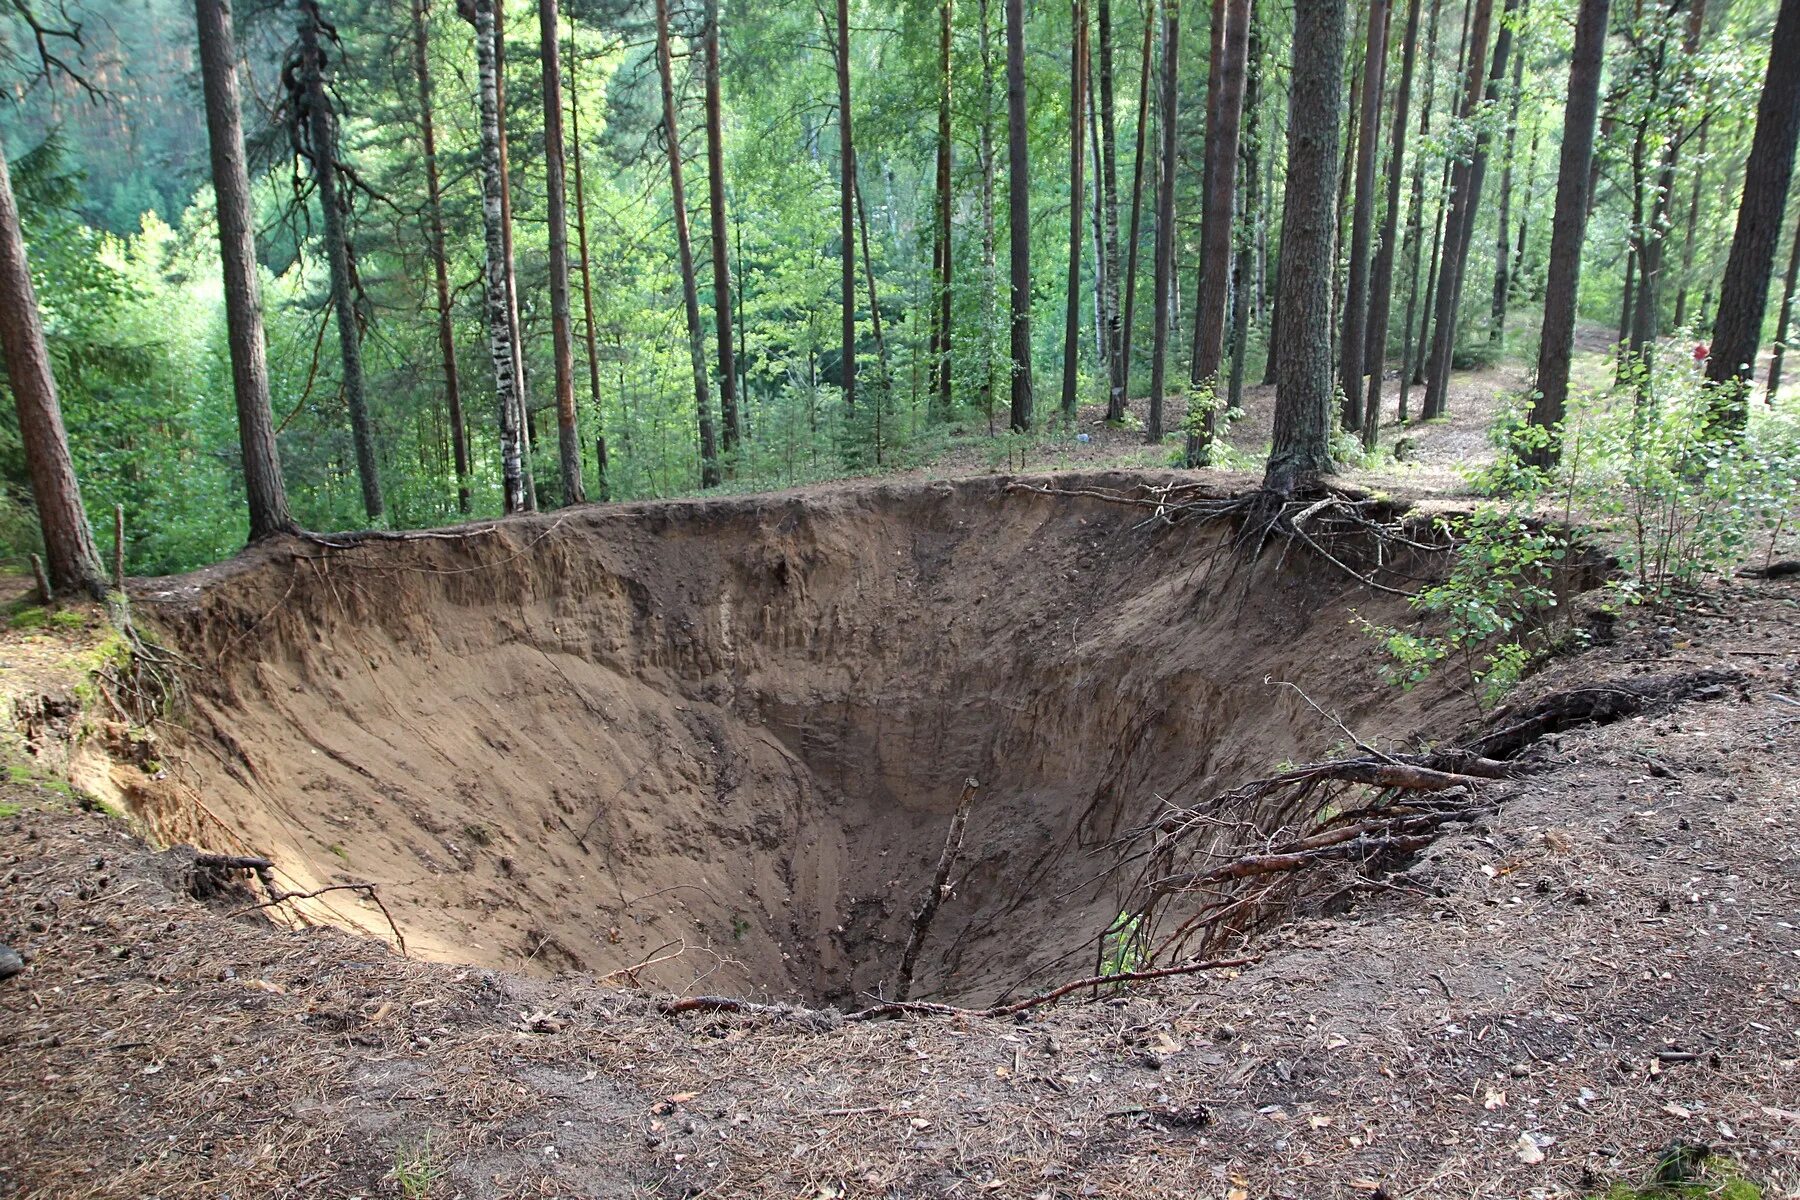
263, 485
1217, 224
990, 274
521, 396
846, 204
1381, 286
940, 240
1465, 203
494, 227
1109, 202
690, 293
1567, 229
1503, 226
1078, 66
72, 559
434, 233
1300, 451
729, 418
1245, 265
1115, 410
1355, 338
1018, 164
556, 212
321, 127
1784, 322
602, 490
513, 493
1163, 273
1744, 291
1413, 371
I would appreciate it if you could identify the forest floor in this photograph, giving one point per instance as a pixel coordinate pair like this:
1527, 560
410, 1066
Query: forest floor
1541, 1004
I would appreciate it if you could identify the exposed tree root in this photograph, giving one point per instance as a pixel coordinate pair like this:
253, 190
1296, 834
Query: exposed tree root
1597, 704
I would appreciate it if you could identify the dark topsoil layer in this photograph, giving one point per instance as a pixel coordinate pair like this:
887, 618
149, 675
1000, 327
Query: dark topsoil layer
1539, 1004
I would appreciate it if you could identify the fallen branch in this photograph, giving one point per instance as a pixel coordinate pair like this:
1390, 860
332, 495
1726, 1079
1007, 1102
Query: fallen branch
940, 888
367, 889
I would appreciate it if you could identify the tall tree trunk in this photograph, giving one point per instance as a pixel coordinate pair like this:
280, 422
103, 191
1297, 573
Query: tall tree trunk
1516, 272
263, 486
1242, 284
1744, 291
1646, 320
556, 212
513, 494
321, 135
1078, 59
1217, 223
846, 203
1503, 226
716, 215
1215, 57
1413, 371
1346, 173
990, 274
1465, 203
603, 490
1137, 210
868, 261
1567, 229
522, 397
1018, 196
1693, 229
71, 559
1163, 273
1300, 451
434, 233
940, 228
1784, 321
1116, 373
690, 293
1354, 343
1381, 286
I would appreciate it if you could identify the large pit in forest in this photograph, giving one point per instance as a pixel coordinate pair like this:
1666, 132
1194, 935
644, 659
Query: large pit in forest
727, 736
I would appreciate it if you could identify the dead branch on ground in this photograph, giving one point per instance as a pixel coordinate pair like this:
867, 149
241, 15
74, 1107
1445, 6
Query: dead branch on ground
940, 888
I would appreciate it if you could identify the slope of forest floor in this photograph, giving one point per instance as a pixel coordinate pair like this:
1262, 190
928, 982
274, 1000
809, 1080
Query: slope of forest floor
1541, 1005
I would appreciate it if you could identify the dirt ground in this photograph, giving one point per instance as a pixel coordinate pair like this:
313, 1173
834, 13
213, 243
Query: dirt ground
592, 760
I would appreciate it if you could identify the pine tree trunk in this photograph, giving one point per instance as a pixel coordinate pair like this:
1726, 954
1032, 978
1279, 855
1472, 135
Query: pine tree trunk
1078, 65
846, 204
1692, 227
940, 239
1354, 342
521, 396
1163, 272
1217, 224
729, 418
1245, 264
513, 493
1412, 368
602, 490
690, 293
434, 233
263, 485
1503, 226
1109, 203
1300, 453
72, 561
1567, 228
1137, 211
1646, 320
1744, 291
1018, 196
556, 212
322, 146
868, 261
990, 272
1784, 321
1381, 286
1465, 203
1215, 58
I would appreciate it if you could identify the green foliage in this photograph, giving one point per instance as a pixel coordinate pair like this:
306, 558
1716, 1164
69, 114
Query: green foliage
1488, 615
1124, 945
416, 1170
